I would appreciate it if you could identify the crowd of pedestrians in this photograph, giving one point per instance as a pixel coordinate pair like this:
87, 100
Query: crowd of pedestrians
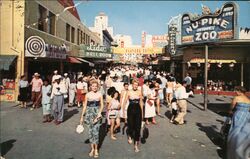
125, 94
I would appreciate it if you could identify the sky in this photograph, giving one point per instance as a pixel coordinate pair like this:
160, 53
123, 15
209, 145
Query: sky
133, 17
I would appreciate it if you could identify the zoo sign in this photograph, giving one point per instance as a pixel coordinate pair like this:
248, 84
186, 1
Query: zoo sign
210, 27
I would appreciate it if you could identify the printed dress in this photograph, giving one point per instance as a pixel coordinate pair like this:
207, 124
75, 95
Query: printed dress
91, 113
150, 109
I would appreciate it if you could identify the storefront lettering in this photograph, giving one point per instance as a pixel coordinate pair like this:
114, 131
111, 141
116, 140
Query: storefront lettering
210, 27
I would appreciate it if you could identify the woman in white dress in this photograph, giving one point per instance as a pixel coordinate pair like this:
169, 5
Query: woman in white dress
150, 105
72, 92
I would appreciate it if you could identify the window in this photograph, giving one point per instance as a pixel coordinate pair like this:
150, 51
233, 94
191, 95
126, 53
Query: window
67, 32
92, 42
81, 37
78, 36
51, 23
84, 38
72, 34
42, 18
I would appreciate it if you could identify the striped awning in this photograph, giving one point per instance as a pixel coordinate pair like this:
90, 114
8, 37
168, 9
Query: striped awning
83, 60
74, 60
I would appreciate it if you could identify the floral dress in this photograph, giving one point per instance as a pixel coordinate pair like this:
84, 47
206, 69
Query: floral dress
91, 113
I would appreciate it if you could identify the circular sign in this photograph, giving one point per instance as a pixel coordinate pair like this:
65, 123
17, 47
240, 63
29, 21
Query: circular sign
35, 45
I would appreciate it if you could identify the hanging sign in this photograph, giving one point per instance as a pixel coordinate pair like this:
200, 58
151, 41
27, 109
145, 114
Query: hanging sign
172, 39
210, 27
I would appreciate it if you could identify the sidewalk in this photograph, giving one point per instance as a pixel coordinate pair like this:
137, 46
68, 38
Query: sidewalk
23, 135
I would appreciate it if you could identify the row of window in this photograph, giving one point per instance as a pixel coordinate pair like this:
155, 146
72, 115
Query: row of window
47, 23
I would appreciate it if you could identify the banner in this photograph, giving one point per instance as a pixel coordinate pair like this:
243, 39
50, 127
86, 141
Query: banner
210, 27
138, 50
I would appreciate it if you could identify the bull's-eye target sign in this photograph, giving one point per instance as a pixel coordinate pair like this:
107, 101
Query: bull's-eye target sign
35, 47
210, 27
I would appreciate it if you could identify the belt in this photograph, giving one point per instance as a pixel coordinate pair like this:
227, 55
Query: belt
93, 103
182, 99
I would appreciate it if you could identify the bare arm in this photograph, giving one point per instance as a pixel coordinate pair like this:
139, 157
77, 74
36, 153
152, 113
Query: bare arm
233, 104
101, 107
83, 110
141, 104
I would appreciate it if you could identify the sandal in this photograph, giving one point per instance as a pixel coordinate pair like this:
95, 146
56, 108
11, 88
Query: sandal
91, 154
96, 155
137, 149
113, 138
130, 140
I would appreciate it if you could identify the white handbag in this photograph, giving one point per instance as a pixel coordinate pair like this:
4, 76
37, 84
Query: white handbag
79, 129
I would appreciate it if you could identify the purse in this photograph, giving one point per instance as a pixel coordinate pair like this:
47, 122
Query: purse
150, 103
145, 133
79, 129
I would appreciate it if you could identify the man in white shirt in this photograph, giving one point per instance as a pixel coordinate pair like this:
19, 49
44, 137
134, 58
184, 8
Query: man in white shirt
188, 81
55, 76
57, 95
181, 96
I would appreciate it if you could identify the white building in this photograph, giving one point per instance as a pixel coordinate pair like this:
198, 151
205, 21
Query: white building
123, 40
100, 24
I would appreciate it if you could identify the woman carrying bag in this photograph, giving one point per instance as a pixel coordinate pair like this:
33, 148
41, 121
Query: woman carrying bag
93, 107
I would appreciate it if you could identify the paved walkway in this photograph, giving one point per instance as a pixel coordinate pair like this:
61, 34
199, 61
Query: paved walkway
24, 136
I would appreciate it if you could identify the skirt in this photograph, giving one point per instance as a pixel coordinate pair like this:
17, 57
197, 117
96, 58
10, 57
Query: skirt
23, 96
91, 114
80, 96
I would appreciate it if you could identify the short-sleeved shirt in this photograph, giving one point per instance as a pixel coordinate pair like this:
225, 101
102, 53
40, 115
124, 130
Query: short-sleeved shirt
36, 84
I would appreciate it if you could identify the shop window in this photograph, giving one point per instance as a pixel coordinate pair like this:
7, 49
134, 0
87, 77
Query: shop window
72, 35
51, 23
42, 18
67, 32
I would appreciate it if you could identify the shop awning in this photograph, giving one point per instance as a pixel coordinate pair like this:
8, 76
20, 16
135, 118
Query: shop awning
74, 60
201, 60
6, 61
90, 63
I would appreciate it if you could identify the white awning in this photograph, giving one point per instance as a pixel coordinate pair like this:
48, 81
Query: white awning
90, 63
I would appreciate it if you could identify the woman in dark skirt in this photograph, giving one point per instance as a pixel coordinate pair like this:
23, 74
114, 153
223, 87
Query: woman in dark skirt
23, 91
134, 114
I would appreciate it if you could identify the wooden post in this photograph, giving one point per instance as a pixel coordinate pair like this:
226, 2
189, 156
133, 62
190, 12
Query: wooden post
205, 77
242, 75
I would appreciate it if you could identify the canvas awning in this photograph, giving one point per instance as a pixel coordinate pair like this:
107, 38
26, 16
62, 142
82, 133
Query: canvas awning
74, 60
6, 61
83, 60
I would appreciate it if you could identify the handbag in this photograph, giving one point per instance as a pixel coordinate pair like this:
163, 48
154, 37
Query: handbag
145, 132
79, 129
150, 103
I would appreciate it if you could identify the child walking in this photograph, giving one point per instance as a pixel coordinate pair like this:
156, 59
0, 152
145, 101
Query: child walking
114, 107
46, 103
174, 109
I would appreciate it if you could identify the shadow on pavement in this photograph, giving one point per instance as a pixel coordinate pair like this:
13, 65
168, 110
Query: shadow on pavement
6, 146
69, 114
215, 137
219, 108
168, 114
102, 134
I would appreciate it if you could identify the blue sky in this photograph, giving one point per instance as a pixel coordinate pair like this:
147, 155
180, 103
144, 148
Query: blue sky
131, 17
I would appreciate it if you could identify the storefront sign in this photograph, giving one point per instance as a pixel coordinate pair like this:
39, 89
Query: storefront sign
93, 51
138, 50
172, 39
210, 27
36, 47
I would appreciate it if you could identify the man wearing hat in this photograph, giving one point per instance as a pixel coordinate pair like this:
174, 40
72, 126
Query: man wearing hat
56, 75
36, 84
57, 95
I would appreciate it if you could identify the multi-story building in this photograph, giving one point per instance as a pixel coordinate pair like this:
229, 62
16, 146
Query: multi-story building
123, 40
101, 24
39, 36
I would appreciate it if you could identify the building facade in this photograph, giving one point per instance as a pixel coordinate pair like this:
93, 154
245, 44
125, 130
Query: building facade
44, 36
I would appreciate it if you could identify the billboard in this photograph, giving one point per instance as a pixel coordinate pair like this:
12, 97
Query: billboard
210, 27
92, 51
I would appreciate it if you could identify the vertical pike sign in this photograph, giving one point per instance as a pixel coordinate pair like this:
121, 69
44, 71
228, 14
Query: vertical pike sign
210, 27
